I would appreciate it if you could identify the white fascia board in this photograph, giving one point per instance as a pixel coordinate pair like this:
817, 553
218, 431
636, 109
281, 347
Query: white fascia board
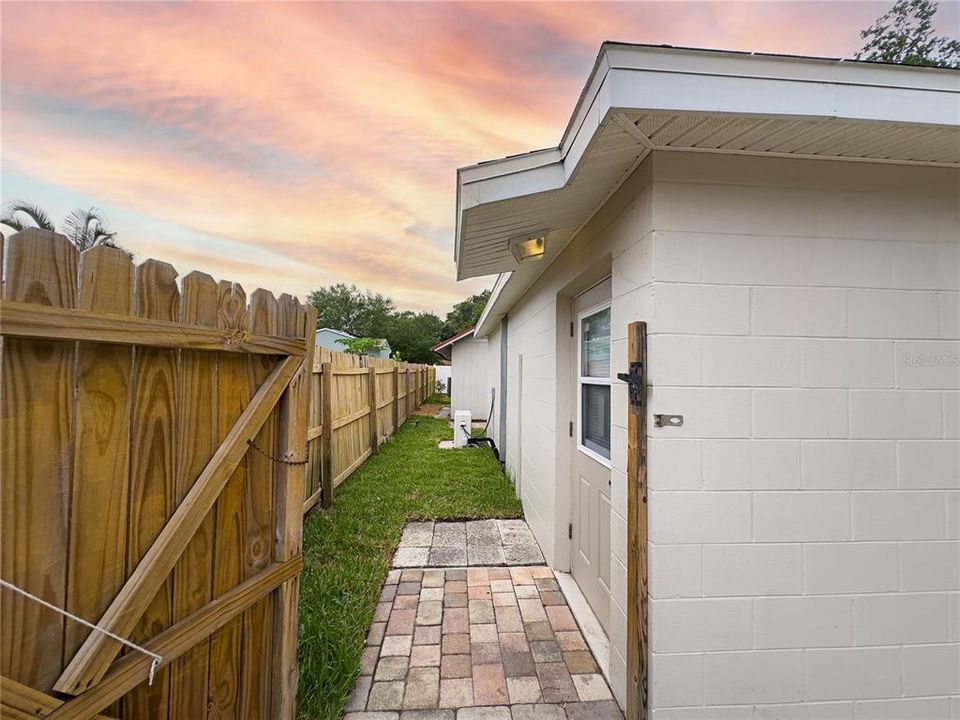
509, 181
746, 66
514, 163
670, 79
658, 80
490, 317
505, 179
659, 91
517, 184
759, 65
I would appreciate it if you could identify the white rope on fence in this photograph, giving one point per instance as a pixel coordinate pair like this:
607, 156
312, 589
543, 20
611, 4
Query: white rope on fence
154, 663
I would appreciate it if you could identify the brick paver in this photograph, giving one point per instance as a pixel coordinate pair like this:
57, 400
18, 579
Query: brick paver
489, 643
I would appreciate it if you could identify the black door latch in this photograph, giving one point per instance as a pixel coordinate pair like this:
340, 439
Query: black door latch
634, 380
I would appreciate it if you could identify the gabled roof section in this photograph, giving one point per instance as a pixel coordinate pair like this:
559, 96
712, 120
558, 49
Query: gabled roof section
453, 339
640, 99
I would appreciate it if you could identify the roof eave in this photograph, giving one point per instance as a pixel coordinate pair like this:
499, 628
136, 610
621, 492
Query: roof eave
491, 315
652, 79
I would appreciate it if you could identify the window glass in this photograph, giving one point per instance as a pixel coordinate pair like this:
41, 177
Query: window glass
595, 418
595, 345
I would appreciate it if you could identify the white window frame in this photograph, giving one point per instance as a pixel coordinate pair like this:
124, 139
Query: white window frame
587, 380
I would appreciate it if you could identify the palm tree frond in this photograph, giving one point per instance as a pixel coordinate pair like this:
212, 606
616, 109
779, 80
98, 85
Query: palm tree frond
87, 228
12, 221
101, 235
36, 213
84, 228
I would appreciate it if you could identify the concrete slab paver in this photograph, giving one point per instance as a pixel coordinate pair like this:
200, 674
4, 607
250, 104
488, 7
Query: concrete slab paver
450, 534
444, 556
474, 543
417, 534
411, 556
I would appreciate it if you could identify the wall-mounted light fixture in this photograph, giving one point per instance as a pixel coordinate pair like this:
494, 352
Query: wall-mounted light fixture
529, 247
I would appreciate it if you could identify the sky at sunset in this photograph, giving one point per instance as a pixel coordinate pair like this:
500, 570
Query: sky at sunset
296, 145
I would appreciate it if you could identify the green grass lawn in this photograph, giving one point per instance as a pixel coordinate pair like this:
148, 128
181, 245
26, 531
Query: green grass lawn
347, 549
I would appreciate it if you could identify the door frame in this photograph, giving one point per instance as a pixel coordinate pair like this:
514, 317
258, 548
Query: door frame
575, 405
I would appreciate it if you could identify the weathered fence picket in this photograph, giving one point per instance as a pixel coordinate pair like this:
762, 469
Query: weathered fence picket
154, 472
358, 403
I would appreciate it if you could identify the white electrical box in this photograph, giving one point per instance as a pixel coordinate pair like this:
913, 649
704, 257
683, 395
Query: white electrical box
461, 427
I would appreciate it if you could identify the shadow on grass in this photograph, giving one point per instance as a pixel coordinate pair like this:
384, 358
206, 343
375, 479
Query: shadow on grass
347, 550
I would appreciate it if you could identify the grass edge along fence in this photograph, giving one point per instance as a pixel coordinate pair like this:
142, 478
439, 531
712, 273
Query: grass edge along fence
131, 493
357, 404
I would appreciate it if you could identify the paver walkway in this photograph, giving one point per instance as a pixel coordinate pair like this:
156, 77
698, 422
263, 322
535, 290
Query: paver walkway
484, 643
471, 543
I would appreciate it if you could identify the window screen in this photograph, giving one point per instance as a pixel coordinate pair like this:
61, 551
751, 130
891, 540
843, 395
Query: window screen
595, 382
595, 418
595, 345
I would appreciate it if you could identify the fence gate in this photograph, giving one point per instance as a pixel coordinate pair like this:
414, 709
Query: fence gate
152, 466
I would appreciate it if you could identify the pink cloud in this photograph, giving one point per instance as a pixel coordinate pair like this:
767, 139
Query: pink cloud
318, 142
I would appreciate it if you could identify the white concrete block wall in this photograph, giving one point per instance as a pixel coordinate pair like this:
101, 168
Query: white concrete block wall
804, 317
469, 389
804, 546
616, 243
492, 368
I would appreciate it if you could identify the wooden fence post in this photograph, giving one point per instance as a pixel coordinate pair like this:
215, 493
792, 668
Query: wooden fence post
288, 500
326, 439
374, 412
637, 703
396, 398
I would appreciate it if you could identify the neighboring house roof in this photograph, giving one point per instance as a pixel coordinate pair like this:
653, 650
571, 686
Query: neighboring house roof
384, 345
341, 333
443, 344
643, 98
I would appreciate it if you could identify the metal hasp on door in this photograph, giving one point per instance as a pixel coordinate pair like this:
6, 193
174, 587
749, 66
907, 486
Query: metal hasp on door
637, 695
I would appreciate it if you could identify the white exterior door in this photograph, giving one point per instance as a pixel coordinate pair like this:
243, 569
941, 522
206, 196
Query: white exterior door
591, 454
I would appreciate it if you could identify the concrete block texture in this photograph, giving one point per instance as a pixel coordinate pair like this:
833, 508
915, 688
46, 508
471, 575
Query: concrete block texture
804, 523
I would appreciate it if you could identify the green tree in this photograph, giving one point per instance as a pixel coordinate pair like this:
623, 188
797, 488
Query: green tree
361, 345
904, 35
359, 312
411, 335
465, 314
371, 315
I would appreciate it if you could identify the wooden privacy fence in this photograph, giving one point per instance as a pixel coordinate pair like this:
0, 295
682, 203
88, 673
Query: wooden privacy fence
131, 496
158, 448
357, 403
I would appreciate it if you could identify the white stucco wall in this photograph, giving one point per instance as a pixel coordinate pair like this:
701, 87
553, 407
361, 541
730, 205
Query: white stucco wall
804, 539
470, 390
